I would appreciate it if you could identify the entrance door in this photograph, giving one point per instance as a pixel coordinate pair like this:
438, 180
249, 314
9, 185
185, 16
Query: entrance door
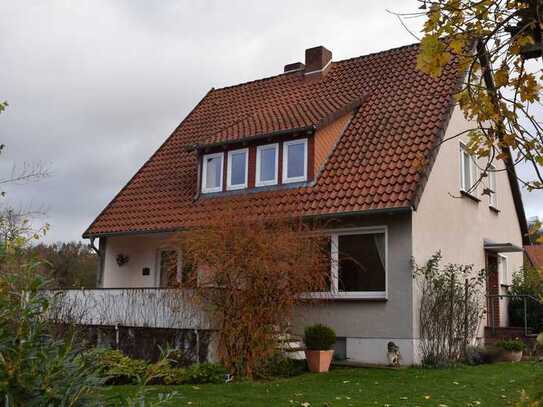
492, 290
169, 268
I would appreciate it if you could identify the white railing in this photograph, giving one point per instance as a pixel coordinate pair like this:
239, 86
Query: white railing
140, 307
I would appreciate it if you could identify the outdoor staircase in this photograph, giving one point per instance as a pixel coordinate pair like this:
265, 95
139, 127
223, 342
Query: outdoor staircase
510, 332
290, 345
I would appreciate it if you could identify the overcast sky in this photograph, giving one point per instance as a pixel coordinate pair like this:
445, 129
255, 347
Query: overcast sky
95, 87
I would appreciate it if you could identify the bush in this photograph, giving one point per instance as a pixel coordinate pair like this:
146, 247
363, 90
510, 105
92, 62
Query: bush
278, 365
162, 372
205, 373
512, 345
115, 367
477, 355
319, 337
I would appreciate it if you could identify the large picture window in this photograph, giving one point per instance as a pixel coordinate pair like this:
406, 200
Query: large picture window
266, 164
359, 263
295, 161
212, 173
237, 169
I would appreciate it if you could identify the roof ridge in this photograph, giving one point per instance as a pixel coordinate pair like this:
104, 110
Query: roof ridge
267, 78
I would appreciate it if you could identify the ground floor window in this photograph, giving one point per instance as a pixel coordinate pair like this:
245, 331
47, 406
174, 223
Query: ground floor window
359, 263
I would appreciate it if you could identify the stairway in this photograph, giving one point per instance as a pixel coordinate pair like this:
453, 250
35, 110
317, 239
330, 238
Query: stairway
290, 345
509, 332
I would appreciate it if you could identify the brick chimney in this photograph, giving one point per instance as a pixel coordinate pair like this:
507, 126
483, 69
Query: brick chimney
317, 61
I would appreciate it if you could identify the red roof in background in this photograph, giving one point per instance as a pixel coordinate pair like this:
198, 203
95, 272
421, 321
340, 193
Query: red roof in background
373, 166
535, 255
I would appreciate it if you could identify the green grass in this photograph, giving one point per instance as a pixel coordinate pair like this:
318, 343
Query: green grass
488, 385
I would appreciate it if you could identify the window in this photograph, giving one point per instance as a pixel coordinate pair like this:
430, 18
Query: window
237, 169
468, 171
359, 263
295, 161
493, 200
212, 173
266, 164
503, 269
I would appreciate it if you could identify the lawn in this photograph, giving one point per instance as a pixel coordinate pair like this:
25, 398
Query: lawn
488, 385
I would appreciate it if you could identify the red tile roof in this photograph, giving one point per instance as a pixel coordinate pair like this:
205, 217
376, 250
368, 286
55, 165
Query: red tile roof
535, 255
374, 164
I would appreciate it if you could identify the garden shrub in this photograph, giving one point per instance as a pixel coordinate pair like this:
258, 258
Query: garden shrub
162, 372
116, 367
512, 345
35, 368
319, 337
205, 373
526, 282
277, 365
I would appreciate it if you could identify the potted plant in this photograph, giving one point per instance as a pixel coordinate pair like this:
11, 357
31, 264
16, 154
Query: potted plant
512, 348
319, 340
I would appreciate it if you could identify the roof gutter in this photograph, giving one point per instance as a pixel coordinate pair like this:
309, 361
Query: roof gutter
378, 211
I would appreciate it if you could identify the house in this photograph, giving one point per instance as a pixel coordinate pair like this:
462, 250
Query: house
358, 143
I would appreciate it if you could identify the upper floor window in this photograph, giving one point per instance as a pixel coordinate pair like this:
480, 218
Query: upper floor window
212, 173
493, 200
468, 171
295, 161
237, 166
266, 164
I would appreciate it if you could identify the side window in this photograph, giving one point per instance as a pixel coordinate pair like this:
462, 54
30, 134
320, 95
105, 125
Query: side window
493, 200
468, 171
212, 166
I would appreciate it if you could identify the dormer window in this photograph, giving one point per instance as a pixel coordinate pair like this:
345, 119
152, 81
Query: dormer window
212, 173
266, 164
237, 167
295, 161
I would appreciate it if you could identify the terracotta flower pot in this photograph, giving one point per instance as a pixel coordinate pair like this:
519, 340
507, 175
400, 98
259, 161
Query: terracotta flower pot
319, 361
512, 356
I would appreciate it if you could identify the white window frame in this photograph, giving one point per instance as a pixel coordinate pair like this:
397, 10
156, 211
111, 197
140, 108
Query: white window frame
472, 171
229, 185
503, 269
334, 289
274, 181
492, 185
206, 190
286, 145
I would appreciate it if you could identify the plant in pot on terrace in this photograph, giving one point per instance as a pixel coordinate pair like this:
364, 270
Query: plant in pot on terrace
319, 340
512, 348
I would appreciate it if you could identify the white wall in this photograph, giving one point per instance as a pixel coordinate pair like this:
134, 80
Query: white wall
142, 251
457, 225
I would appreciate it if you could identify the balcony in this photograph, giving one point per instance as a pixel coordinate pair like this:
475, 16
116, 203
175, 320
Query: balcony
137, 307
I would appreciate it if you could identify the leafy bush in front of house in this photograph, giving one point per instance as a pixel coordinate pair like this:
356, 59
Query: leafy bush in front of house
205, 373
277, 365
511, 345
479, 355
319, 337
35, 368
450, 309
115, 367
527, 281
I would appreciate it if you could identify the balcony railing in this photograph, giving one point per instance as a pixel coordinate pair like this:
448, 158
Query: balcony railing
140, 307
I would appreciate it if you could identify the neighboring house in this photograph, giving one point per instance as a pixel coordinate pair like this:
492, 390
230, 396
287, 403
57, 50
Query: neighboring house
534, 256
356, 143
